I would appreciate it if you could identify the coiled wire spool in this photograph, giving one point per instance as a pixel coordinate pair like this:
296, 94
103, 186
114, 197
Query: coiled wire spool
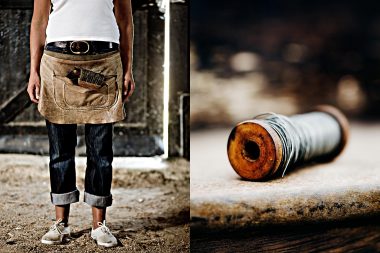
270, 144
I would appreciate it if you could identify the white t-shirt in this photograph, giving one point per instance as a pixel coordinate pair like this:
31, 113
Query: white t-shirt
82, 20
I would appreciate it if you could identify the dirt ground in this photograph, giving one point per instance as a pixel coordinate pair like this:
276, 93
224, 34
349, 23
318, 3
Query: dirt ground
150, 212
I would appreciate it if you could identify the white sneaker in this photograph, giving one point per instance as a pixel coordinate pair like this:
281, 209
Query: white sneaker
56, 234
103, 236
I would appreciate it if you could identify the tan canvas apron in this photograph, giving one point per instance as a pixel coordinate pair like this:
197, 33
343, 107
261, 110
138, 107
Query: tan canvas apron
63, 101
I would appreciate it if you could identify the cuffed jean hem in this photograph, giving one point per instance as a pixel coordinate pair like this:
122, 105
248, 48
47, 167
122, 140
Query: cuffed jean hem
60, 199
99, 201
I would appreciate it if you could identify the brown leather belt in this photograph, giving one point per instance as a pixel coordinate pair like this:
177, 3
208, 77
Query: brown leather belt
82, 47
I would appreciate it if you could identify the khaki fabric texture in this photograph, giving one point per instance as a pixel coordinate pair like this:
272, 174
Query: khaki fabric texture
62, 101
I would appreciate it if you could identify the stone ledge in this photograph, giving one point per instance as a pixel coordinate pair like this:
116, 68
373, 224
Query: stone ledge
348, 187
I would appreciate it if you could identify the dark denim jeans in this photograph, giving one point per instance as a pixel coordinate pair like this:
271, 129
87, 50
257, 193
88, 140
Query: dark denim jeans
98, 177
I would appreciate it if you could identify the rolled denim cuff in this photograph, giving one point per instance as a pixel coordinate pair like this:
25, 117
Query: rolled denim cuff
59, 199
100, 201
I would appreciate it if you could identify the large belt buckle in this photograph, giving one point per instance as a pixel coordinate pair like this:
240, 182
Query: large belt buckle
76, 46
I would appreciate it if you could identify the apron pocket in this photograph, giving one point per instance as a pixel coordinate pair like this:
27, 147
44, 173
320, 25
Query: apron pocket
70, 96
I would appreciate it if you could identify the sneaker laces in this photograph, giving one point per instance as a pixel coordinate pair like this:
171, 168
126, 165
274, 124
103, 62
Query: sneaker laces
55, 226
104, 228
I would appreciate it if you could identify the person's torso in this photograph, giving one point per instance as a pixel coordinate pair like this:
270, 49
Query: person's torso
82, 20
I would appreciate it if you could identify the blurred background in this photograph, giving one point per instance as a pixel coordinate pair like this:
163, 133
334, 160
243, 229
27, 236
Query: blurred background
249, 57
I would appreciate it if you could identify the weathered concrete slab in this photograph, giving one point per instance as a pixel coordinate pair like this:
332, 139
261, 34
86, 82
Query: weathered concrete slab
346, 188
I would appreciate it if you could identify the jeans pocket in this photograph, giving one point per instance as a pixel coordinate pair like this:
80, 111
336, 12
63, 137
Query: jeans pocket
68, 95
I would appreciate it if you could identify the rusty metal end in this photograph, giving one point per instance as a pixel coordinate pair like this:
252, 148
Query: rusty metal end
254, 150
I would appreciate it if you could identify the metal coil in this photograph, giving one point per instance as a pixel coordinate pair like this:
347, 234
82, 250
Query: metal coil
271, 143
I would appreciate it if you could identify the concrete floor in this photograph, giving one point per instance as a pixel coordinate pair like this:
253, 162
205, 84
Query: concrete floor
345, 188
150, 210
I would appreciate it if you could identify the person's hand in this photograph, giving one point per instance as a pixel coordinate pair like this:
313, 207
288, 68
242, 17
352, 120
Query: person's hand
128, 86
34, 87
